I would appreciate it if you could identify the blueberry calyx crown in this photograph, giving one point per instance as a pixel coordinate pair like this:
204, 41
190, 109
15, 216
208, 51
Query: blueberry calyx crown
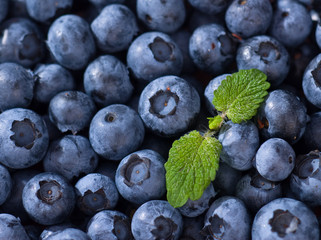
49, 191
165, 227
25, 133
216, 227
162, 50
268, 52
163, 103
258, 181
308, 165
121, 228
94, 201
284, 222
136, 170
30, 47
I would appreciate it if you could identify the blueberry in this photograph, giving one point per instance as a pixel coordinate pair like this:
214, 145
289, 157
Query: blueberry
266, 54
24, 138
211, 48
209, 92
48, 198
54, 229
5, 184
305, 180
115, 131
71, 156
21, 41
152, 55
285, 218
282, 115
13, 205
46, 11
275, 159
68, 233
239, 144
11, 228
96, 192
70, 41
291, 23
169, 106
197, 207
226, 179
257, 191
227, 218
114, 28
16, 87
50, 80
140, 176
71, 110
111, 225
210, 7
312, 80
248, 18
106, 80
100, 4
164, 16
156, 219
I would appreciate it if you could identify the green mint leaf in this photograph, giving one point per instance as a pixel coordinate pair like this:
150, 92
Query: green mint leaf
215, 123
191, 166
240, 94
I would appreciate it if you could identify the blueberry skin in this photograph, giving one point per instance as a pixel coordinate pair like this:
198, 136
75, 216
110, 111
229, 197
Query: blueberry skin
227, 218
111, 225
156, 219
71, 110
285, 218
249, 18
266, 54
195, 208
305, 181
48, 198
115, 131
70, 41
275, 159
312, 134
11, 228
211, 48
169, 106
282, 115
318, 34
21, 42
46, 11
226, 179
16, 88
152, 55
209, 92
100, 4
96, 192
164, 16
291, 23
4, 9
5, 184
106, 80
114, 28
13, 205
210, 7
256, 191
140, 176
68, 233
71, 156
24, 138
239, 144
50, 80
311, 81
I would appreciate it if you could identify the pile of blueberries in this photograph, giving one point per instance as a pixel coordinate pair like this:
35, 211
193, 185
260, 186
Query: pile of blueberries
94, 92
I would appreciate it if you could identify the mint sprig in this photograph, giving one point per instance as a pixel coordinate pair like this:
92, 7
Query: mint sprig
194, 158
